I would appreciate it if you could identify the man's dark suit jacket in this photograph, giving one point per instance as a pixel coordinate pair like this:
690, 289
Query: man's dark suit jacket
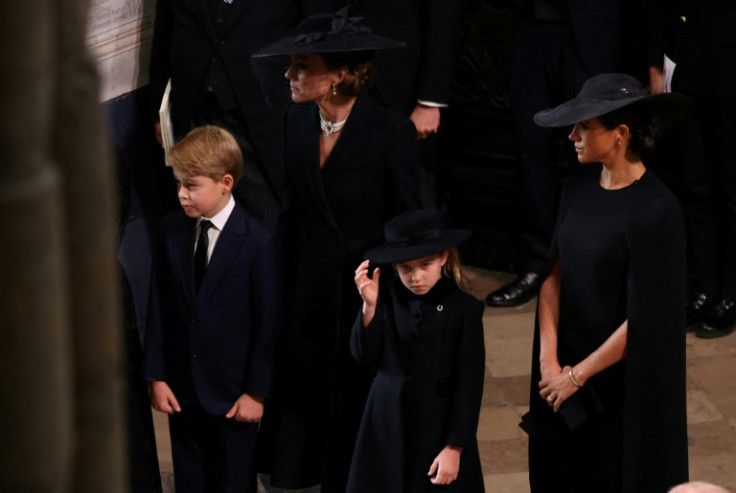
218, 344
423, 68
700, 37
597, 27
186, 42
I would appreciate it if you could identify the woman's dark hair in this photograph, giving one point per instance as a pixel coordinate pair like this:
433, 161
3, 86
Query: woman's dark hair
645, 128
361, 70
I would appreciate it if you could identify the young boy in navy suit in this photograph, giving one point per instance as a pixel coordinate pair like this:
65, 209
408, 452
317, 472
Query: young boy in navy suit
214, 316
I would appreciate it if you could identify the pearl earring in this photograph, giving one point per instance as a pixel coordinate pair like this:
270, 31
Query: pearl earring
334, 90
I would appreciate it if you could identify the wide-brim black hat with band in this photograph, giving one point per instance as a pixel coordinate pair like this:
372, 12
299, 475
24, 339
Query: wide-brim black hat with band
416, 234
605, 93
329, 33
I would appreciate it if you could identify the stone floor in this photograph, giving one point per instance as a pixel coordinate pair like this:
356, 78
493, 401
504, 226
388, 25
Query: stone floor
711, 387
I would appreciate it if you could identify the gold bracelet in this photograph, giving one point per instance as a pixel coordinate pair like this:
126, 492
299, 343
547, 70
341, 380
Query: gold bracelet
572, 379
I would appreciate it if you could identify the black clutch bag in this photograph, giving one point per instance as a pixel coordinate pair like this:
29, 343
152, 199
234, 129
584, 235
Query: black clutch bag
575, 411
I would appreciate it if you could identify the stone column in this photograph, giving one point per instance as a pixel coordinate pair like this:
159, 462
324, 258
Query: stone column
81, 146
60, 351
36, 394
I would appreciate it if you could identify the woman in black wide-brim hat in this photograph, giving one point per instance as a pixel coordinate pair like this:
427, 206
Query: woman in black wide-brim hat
350, 165
607, 403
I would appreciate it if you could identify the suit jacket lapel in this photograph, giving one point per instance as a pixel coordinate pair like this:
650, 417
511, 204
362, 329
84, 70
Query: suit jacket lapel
205, 18
350, 138
306, 173
226, 249
237, 8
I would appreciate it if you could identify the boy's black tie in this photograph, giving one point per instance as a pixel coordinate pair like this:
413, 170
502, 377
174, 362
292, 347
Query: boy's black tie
200, 253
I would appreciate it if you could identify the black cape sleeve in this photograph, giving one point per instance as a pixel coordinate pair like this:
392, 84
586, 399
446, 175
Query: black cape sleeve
655, 424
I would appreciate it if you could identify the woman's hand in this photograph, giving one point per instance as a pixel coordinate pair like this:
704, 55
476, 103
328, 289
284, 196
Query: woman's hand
549, 369
556, 389
367, 287
446, 465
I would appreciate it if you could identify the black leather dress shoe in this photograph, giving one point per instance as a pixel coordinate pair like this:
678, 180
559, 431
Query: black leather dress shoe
524, 288
697, 307
720, 321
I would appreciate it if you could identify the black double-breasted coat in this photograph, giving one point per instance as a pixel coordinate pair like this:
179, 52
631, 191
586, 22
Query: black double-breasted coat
334, 214
427, 392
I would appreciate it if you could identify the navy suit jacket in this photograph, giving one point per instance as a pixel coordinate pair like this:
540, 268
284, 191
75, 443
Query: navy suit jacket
213, 346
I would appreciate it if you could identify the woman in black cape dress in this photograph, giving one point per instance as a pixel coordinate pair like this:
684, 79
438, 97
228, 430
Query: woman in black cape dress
607, 402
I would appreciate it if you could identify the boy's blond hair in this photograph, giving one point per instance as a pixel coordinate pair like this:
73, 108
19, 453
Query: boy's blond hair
208, 151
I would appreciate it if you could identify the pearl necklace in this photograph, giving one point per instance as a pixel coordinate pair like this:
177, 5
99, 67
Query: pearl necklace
329, 128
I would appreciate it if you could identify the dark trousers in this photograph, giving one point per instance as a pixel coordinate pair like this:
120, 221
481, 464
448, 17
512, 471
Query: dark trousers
696, 161
546, 71
212, 454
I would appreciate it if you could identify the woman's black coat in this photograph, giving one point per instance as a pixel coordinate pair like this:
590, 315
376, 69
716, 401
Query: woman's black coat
333, 216
427, 392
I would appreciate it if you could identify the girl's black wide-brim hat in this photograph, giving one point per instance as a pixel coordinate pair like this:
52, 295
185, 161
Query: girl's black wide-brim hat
605, 93
329, 33
416, 234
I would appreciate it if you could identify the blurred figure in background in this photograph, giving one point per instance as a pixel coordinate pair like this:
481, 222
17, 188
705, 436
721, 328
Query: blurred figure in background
699, 41
416, 80
204, 47
558, 44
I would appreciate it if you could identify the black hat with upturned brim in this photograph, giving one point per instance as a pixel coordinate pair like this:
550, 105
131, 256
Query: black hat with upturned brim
329, 33
605, 93
416, 234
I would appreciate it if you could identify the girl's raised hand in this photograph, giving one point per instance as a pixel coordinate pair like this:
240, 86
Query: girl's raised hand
367, 287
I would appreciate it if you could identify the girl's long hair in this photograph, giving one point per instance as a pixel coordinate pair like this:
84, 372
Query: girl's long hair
453, 270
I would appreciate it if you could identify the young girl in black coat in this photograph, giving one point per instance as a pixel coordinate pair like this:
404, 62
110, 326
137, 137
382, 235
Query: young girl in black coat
425, 336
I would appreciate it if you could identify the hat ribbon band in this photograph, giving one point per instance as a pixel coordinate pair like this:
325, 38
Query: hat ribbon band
414, 239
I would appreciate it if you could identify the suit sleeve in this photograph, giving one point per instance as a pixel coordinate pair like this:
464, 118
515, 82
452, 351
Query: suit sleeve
266, 305
403, 170
440, 39
154, 366
160, 65
655, 430
468, 379
657, 13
